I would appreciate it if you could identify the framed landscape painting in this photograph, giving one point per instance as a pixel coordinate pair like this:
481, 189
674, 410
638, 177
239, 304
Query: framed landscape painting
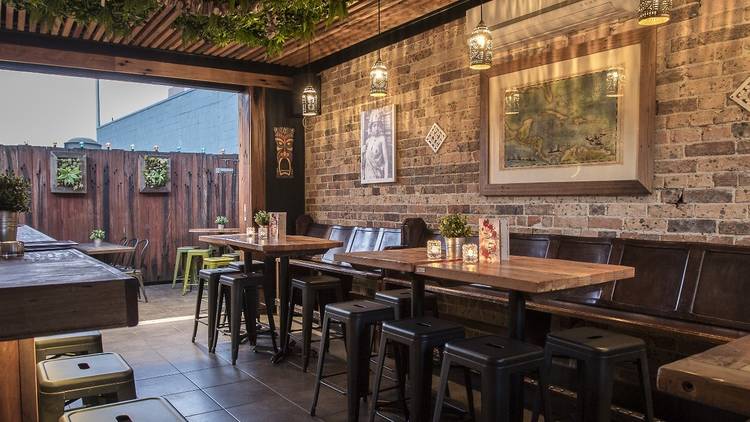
575, 121
378, 145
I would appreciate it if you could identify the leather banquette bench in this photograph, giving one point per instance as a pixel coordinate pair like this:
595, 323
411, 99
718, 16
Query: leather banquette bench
696, 290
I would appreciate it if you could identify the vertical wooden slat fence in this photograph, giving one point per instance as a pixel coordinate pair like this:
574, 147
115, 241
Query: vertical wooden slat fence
113, 202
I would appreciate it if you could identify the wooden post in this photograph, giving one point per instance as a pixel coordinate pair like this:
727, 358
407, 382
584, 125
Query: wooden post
252, 153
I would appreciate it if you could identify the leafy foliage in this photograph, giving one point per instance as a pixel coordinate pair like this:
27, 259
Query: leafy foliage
97, 234
262, 218
15, 193
455, 225
69, 173
222, 220
257, 23
156, 172
118, 16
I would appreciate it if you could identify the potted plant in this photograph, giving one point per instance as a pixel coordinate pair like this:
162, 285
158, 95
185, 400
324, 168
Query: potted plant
262, 218
221, 221
14, 198
97, 235
154, 171
455, 229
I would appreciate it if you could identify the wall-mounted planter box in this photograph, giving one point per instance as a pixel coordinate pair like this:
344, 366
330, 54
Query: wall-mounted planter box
154, 173
67, 172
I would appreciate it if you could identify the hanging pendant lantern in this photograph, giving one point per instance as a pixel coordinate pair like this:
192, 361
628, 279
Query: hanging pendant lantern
378, 72
378, 79
309, 94
654, 12
480, 45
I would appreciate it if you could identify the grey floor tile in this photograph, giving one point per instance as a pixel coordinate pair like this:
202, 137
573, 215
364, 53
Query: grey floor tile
192, 402
162, 386
230, 395
274, 408
217, 416
212, 377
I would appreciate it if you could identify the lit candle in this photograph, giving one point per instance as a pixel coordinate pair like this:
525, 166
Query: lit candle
470, 253
434, 249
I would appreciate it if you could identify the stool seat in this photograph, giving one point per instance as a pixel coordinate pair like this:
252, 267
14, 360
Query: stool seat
494, 351
208, 272
366, 311
423, 328
597, 341
152, 409
67, 339
59, 375
241, 279
316, 281
240, 265
396, 296
185, 248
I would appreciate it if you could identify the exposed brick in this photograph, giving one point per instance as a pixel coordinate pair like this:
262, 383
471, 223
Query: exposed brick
710, 148
734, 227
692, 226
707, 195
741, 130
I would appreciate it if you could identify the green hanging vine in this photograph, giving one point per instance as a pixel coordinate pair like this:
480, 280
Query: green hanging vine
257, 23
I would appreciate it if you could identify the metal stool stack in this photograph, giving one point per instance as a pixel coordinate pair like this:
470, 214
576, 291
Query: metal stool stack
105, 376
141, 410
73, 344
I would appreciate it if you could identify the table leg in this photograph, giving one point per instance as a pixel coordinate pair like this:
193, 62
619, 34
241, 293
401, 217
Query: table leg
517, 328
283, 293
417, 296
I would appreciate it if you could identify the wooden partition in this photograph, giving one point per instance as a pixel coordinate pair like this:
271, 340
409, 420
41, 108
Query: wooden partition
113, 202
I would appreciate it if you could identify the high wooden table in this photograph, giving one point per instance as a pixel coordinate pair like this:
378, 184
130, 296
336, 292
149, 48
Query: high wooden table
105, 248
34, 240
520, 276
215, 230
275, 252
719, 377
53, 292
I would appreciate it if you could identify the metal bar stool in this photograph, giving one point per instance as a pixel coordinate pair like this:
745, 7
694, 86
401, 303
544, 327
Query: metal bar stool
597, 352
152, 409
73, 344
208, 280
496, 359
310, 289
420, 336
178, 262
357, 317
193, 257
103, 375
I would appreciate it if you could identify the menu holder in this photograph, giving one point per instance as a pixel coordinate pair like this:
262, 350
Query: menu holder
277, 226
494, 240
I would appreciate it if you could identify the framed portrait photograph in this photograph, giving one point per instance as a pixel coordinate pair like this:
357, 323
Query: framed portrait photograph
378, 145
576, 121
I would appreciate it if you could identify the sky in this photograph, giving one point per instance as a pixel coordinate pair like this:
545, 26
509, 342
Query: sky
41, 109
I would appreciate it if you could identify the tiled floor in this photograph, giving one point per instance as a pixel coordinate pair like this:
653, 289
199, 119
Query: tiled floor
206, 387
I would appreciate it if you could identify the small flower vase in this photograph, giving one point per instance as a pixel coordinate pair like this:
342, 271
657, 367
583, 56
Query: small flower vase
221, 227
97, 242
262, 232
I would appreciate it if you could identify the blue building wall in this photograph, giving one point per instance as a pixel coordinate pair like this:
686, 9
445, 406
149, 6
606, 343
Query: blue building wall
191, 120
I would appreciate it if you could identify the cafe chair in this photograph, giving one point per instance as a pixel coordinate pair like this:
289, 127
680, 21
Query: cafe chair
497, 360
420, 337
152, 409
72, 344
357, 318
104, 377
311, 290
137, 264
597, 352
179, 261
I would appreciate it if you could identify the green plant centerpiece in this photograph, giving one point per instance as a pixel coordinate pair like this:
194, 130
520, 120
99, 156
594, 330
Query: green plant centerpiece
262, 218
15, 197
221, 221
69, 173
97, 235
455, 229
154, 172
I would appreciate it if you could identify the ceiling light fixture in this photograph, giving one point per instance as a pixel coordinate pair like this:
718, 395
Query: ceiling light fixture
654, 12
480, 45
309, 95
378, 73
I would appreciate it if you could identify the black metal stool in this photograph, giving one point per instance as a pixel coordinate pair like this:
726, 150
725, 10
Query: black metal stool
243, 290
400, 299
258, 266
357, 317
496, 359
310, 288
208, 280
420, 336
597, 352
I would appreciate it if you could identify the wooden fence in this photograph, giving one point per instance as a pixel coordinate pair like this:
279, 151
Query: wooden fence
113, 201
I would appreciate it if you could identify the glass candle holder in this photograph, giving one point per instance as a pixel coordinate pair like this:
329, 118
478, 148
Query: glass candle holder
470, 253
263, 233
250, 231
434, 249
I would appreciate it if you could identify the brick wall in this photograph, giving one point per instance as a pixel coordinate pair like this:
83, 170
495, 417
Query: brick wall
702, 151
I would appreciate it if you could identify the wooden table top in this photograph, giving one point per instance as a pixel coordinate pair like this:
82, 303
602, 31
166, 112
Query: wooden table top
405, 260
28, 234
105, 248
527, 274
718, 377
60, 291
287, 246
215, 230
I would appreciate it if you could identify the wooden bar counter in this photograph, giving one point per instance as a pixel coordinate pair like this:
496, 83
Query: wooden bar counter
53, 292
